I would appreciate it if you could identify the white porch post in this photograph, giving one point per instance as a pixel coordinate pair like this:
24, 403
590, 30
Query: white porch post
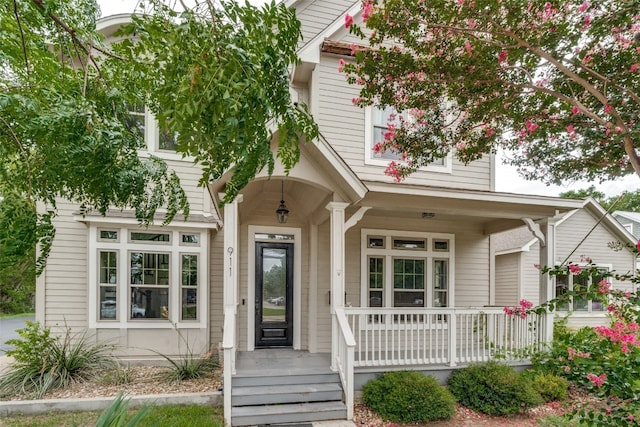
337, 270
547, 258
230, 298
231, 255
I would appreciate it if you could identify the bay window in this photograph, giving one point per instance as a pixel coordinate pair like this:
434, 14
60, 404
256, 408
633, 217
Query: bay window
150, 277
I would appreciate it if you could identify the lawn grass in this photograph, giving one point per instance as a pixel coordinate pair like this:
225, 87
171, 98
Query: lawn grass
164, 415
11, 316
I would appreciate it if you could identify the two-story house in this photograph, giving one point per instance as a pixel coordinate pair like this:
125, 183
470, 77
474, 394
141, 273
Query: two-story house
312, 282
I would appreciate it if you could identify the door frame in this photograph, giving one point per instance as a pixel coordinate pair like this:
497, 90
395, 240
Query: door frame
251, 279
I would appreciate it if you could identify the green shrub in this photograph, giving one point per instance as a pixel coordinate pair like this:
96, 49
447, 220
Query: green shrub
550, 387
407, 396
42, 362
492, 388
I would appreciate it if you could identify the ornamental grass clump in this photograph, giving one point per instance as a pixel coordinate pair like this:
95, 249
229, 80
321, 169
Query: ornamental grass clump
43, 362
408, 396
493, 388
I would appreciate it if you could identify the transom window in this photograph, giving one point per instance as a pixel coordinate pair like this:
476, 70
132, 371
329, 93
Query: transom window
407, 270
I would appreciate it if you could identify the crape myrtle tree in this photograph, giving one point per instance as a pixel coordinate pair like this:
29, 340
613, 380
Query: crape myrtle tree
556, 83
214, 74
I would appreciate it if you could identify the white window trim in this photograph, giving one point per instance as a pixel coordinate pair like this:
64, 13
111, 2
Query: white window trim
123, 290
388, 253
368, 149
589, 311
152, 141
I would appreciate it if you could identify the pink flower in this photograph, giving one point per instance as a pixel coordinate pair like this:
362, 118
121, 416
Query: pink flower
634, 68
348, 20
584, 6
341, 64
531, 126
607, 108
393, 171
526, 304
573, 268
638, 245
468, 47
367, 12
597, 380
502, 56
488, 132
575, 109
604, 286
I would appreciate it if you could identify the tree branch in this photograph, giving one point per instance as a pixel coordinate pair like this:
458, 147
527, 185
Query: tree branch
24, 44
74, 36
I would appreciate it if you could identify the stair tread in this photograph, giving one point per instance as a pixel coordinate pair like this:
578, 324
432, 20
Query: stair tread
291, 408
259, 390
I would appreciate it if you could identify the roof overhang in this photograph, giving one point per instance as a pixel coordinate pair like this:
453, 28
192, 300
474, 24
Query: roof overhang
498, 211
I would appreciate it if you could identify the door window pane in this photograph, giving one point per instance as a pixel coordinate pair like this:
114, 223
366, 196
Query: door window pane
274, 284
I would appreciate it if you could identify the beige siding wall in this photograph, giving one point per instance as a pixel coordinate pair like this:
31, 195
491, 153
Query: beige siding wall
343, 124
316, 15
190, 174
531, 274
66, 285
573, 230
507, 279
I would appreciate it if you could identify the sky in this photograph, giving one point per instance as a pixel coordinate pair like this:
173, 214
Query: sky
507, 179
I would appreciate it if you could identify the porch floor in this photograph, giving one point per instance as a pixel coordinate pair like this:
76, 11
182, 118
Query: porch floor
284, 361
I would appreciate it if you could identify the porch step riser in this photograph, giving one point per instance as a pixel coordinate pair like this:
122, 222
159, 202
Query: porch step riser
284, 379
245, 396
291, 413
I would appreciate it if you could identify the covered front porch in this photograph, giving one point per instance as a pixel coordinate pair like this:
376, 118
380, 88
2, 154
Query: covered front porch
382, 276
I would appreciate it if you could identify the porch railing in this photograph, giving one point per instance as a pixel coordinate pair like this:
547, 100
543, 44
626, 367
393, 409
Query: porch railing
441, 336
229, 359
345, 359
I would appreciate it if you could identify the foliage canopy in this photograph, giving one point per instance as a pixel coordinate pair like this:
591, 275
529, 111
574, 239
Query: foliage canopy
557, 83
214, 74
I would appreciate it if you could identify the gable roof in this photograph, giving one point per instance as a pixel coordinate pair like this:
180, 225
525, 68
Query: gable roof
310, 52
520, 239
632, 216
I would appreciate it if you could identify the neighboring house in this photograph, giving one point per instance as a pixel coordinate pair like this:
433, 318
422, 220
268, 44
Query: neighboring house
580, 234
363, 275
630, 221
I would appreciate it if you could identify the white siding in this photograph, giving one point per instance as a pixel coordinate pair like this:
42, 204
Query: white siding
507, 279
315, 16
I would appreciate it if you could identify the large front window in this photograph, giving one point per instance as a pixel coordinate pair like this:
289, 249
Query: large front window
409, 270
148, 276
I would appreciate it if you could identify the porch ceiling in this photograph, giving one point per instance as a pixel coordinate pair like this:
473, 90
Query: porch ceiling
262, 197
494, 211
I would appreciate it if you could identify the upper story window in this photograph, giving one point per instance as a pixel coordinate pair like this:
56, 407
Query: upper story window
409, 270
158, 140
377, 122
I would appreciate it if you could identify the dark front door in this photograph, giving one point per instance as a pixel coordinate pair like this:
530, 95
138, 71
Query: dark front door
274, 294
